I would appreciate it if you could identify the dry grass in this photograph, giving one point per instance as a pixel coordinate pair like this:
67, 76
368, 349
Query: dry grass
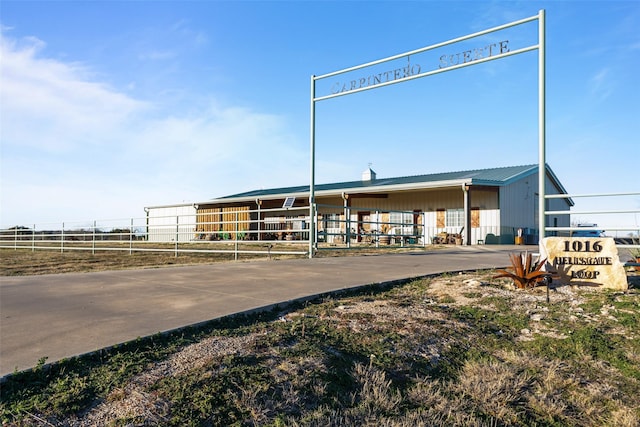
24, 261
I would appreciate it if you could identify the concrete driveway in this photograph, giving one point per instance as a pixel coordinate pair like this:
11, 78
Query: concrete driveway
63, 315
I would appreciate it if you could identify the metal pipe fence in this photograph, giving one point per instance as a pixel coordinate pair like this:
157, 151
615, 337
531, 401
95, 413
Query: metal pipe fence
626, 235
279, 231
169, 233
273, 231
347, 227
284, 231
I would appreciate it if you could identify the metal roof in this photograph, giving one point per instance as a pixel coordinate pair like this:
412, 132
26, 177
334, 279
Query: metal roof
492, 177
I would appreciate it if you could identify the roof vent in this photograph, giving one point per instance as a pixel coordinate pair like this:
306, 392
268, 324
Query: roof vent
369, 174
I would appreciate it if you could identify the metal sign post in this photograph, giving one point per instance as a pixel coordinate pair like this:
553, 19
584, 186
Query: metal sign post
389, 78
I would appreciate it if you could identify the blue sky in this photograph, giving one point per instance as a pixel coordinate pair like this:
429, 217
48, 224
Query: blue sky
110, 106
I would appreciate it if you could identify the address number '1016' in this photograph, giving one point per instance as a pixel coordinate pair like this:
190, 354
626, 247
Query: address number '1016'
579, 246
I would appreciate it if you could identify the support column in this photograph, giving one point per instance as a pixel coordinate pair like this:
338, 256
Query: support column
466, 189
347, 220
259, 225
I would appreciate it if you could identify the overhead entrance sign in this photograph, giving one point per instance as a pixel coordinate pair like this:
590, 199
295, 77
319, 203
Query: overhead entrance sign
385, 74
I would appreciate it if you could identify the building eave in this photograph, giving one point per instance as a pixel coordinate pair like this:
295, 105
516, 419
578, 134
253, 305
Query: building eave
482, 178
338, 192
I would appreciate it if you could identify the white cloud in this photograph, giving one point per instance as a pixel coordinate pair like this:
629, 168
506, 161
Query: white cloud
75, 148
50, 105
600, 84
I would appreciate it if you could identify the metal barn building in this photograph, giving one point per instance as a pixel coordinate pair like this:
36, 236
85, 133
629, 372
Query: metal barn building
465, 207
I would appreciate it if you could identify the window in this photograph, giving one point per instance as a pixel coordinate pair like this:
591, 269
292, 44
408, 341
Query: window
396, 218
401, 222
455, 217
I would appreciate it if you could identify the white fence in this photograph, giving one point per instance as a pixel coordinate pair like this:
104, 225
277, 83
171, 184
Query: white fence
268, 231
186, 232
625, 228
281, 231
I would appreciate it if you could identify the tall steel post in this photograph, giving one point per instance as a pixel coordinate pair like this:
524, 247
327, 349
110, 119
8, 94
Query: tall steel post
312, 179
542, 174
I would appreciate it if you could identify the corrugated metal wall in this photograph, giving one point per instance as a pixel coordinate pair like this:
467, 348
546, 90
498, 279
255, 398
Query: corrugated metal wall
519, 207
519, 202
168, 224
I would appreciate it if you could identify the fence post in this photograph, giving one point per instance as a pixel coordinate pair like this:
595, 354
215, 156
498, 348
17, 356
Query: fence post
348, 226
378, 231
93, 238
424, 229
235, 251
402, 229
33, 238
259, 236
315, 219
131, 237
62, 239
177, 234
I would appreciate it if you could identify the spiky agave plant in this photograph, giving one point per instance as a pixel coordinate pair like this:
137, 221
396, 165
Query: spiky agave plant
525, 274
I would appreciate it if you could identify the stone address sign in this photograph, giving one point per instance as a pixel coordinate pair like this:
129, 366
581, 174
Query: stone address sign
586, 261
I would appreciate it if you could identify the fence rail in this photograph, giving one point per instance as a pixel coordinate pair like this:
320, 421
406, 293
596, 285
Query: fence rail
283, 231
278, 231
174, 233
630, 239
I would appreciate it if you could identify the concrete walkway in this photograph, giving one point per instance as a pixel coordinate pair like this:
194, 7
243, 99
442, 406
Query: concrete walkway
64, 315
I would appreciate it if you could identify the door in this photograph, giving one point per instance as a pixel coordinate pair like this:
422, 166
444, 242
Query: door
364, 226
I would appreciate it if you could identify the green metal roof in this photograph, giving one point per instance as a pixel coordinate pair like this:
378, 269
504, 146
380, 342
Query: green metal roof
494, 176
